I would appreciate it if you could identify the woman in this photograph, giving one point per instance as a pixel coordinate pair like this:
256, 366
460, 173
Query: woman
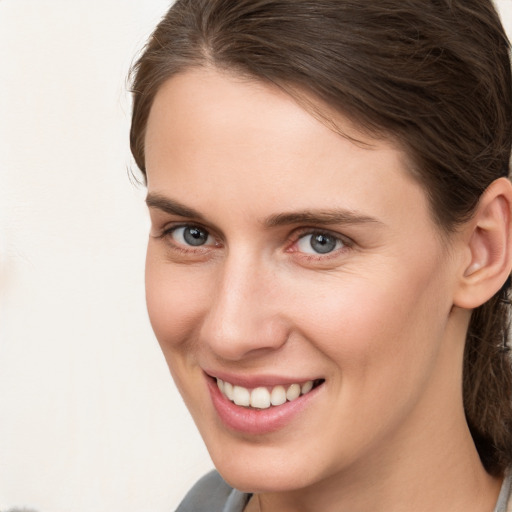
327, 269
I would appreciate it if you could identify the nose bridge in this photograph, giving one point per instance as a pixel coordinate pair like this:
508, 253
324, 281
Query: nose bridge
242, 317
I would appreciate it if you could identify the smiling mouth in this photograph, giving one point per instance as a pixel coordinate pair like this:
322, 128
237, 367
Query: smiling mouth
265, 397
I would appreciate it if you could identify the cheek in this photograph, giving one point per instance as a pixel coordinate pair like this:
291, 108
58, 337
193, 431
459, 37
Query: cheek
386, 328
380, 342
175, 297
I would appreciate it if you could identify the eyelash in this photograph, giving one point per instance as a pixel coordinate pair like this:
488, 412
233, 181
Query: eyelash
168, 233
343, 243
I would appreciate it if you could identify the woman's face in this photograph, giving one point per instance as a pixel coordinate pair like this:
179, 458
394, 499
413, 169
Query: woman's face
284, 257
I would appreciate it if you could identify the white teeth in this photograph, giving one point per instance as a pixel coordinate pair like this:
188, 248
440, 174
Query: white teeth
293, 392
228, 390
278, 396
241, 396
262, 398
306, 387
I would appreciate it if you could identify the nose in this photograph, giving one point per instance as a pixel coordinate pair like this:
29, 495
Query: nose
244, 319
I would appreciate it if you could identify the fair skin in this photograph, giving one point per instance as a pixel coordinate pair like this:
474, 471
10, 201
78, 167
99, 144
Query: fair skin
281, 252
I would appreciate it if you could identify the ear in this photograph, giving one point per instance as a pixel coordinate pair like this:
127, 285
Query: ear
487, 251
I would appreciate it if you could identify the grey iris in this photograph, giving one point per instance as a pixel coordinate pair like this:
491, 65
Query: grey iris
322, 243
195, 236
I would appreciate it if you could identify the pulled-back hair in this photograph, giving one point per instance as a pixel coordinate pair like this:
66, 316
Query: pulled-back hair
432, 75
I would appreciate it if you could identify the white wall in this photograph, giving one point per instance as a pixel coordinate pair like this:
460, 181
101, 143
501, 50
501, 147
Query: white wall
89, 420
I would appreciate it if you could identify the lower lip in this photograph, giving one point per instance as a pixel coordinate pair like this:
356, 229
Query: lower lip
257, 421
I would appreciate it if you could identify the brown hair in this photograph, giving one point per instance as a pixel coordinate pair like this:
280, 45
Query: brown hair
432, 74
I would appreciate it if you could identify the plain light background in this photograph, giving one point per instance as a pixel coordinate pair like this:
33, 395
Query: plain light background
89, 418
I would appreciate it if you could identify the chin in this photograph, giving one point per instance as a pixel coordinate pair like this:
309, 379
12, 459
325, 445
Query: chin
265, 468
263, 479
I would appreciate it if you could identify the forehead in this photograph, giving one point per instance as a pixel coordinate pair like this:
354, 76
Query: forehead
218, 137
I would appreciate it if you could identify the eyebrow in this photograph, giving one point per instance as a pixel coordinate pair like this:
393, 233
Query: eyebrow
172, 207
318, 217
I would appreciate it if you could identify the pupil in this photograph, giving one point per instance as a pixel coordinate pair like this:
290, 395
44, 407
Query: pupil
195, 236
323, 243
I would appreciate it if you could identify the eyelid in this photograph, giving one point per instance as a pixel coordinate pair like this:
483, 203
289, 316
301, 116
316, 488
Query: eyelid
291, 246
304, 231
167, 231
347, 243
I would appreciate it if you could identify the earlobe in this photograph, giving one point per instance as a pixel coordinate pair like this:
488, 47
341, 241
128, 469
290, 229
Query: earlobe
489, 246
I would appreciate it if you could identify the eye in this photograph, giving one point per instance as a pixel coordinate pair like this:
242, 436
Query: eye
319, 243
194, 236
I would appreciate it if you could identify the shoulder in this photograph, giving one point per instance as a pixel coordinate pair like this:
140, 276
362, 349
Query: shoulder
212, 494
505, 499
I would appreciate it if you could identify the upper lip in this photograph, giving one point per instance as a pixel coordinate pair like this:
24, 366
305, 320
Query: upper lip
255, 381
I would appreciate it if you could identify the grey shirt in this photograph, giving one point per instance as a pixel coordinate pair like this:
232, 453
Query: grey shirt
212, 494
